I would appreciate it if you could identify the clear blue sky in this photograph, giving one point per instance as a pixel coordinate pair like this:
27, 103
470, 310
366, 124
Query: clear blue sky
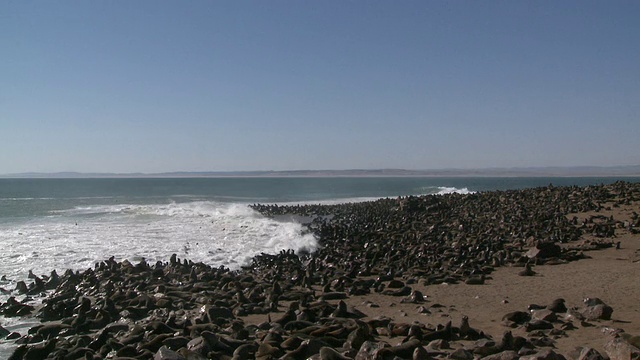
152, 86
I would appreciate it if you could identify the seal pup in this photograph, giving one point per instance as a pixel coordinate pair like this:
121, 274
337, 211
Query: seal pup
467, 332
528, 271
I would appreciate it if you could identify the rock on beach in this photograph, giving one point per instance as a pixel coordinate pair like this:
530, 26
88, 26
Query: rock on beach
394, 249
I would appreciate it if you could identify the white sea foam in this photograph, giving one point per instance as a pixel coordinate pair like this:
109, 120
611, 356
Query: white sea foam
215, 233
443, 190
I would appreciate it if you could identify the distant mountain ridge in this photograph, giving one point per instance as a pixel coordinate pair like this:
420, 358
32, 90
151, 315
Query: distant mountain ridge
575, 171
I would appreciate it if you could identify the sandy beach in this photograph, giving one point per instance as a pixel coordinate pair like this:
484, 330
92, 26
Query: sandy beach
453, 276
609, 274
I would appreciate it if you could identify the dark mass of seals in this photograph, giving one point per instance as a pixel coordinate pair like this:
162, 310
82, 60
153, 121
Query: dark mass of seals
185, 310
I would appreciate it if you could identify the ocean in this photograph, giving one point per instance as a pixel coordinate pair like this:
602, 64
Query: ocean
48, 224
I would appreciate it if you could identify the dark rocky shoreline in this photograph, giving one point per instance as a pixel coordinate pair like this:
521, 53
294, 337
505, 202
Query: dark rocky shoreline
185, 310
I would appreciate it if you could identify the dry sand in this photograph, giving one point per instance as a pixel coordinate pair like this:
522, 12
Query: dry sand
610, 274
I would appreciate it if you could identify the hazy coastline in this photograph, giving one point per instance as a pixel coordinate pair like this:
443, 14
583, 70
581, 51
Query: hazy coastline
576, 171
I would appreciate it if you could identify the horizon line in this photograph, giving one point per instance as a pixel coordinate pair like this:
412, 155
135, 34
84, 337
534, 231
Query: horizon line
583, 170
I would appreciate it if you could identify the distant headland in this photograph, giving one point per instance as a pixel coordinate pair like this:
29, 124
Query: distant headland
576, 171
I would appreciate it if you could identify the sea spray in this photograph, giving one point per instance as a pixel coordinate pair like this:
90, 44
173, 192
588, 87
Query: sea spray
211, 232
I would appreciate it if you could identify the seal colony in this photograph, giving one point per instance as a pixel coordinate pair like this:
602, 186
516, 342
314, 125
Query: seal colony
379, 258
